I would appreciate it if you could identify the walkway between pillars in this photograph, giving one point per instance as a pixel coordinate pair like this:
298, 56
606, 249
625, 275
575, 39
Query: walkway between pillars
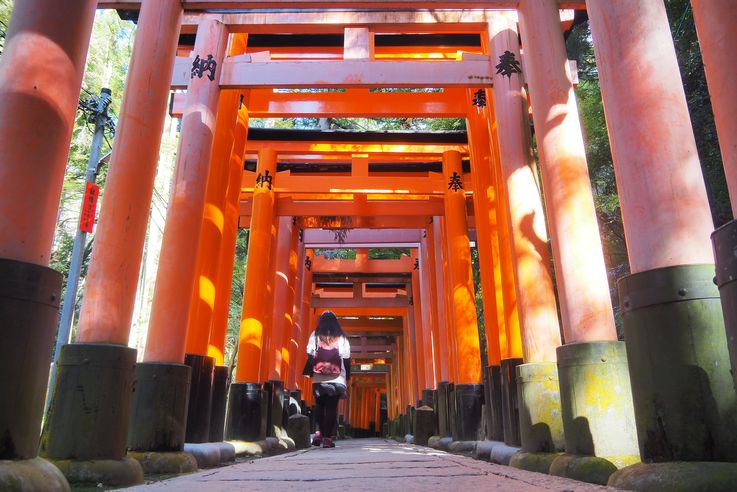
370, 465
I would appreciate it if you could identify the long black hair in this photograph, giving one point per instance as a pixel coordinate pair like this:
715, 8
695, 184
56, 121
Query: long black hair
328, 327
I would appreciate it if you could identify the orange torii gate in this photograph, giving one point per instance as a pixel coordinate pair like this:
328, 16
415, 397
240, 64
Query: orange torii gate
561, 371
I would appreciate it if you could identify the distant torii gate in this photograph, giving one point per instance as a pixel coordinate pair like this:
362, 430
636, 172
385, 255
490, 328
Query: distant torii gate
573, 396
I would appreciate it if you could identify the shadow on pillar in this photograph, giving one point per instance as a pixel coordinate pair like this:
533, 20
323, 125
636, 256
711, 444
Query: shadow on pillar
159, 417
219, 403
29, 312
246, 416
510, 402
724, 241
200, 397
274, 391
443, 409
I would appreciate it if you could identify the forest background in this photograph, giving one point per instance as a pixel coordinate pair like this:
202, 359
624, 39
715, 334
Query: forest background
107, 64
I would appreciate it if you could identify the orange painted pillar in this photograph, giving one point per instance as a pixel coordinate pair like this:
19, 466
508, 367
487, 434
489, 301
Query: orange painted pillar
477, 127
417, 326
40, 75
667, 224
269, 306
437, 272
175, 278
534, 293
257, 271
715, 25
468, 355
221, 311
410, 350
429, 314
283, 294
581, 277
107, 309
305, 317
294, 346
448, 299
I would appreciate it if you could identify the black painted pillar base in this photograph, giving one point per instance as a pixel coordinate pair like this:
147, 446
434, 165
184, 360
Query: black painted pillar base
428, 399
243, 421
200, 397
90, 406
510, 402
160, 400
442, 410
495, 424
29, 313
468, 401
275, 408
219, 403
452, 414
682, 389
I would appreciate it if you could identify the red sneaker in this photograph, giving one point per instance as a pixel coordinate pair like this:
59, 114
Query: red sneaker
317, 440
328, 443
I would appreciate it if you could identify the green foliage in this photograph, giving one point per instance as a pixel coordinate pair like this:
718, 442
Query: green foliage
236, 294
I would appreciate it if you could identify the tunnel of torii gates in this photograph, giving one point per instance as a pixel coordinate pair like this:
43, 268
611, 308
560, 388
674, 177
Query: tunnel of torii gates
557, 380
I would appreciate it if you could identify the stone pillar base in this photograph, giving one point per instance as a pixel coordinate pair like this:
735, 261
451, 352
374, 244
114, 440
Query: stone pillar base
31, 475
589, 469
125, 471
676, 476
682, 388
596, 402
541, 425
155, 463
534, 462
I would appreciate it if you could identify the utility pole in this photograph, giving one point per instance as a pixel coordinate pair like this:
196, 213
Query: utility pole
97, 111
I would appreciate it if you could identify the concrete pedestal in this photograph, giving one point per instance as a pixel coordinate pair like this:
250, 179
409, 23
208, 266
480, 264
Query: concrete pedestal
298, 429
88, 415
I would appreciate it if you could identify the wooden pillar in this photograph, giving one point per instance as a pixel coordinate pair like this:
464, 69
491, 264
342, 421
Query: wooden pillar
534, 293
459, 260
269, 306
447, 290
477, 127
581, 278
221, 311
294, 347
417, 326
429, 318
176, 275
283, 295
715, 24
107, 309
40, 76
439, 299
257, 271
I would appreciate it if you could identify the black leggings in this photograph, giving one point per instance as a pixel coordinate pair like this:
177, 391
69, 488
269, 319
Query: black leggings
326, 414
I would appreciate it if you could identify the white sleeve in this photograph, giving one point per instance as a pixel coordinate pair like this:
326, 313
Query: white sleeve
311, 348
345, 349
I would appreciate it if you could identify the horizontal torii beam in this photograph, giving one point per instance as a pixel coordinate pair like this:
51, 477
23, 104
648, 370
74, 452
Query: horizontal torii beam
239, 72
338, 4
360, 265
361, 236
370, 213
355, 103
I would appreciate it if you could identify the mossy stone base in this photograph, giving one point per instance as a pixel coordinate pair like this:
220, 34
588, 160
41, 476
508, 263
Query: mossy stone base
677, 476
246, 448
206, 454
484, 448
591, 469
462, 447
534, 462
154, 462
31, 475
540, 418
126, 471
502, 455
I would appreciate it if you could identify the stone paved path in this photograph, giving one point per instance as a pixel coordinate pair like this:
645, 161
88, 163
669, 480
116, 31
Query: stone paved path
367, 465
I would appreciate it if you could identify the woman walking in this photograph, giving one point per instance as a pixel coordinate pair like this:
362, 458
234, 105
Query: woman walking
329, 356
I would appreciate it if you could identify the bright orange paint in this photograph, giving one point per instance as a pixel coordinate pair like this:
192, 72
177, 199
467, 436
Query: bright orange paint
463, 307
257, 272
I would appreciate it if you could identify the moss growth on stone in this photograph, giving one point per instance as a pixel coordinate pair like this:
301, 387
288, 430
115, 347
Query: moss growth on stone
677, 476
534, 462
